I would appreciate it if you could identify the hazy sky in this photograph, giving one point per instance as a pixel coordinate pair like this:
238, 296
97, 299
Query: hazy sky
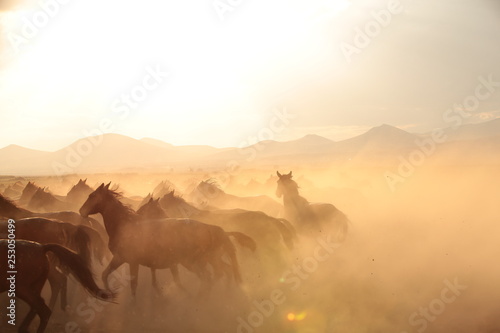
229, 72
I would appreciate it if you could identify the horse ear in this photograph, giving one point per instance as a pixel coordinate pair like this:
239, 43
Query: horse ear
101, 186
290, 174
279, 174
85, 180
158, 200
107, 186
150, 199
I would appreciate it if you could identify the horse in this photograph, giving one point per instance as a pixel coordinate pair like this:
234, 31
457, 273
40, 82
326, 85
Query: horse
153, 210
45, 201
33, 266
77, 195
309, 216
163, 188
81, 239
275, 237
27, 193
11, 192
157, 244
209, 193
10, 210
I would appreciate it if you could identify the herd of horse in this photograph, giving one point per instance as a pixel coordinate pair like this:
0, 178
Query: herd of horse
204, 235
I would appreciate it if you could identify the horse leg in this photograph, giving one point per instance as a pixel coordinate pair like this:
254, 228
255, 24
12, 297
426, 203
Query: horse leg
55, 286
44, 314
134, 276
154, 282
175, 275
200, 268
37, 306
64, 292
112, 266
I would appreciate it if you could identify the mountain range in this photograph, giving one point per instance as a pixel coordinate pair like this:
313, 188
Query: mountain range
382, 145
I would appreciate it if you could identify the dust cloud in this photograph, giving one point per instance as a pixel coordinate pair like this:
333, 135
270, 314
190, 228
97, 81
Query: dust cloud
420, 257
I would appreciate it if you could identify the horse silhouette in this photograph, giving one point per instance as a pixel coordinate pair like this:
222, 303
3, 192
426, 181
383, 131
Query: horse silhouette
309, 216
27, 193
157, 244
209, 193
77, 195
274, 237
33, 266
153, 210
45, 201
81, 239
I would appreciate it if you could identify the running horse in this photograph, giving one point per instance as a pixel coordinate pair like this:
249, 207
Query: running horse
32, 266
157, 244
152, 210
81, 239
309, 216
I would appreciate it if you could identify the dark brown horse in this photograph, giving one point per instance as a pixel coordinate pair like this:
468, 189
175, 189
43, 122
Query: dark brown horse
152, 210
81, 239
308, 216
33, 266
269, 232
157, 244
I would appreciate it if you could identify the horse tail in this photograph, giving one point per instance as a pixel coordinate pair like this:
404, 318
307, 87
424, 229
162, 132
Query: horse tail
243, 240
80, 269
287, 234
230, 250
82, 242
99, 248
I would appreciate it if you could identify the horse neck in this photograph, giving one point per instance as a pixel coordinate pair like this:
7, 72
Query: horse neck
116, 216
294, 201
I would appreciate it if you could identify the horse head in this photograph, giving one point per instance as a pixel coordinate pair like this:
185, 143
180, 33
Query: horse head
94, 203
152, 210
286, 185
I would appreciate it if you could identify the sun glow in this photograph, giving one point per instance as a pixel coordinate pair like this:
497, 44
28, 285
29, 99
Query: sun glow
83, 58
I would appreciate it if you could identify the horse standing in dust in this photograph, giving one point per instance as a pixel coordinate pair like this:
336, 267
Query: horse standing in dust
306, 216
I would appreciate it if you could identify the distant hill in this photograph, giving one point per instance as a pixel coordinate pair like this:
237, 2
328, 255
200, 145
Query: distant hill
118, 153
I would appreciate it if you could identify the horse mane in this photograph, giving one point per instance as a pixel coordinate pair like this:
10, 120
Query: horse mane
213, 184
127, 210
